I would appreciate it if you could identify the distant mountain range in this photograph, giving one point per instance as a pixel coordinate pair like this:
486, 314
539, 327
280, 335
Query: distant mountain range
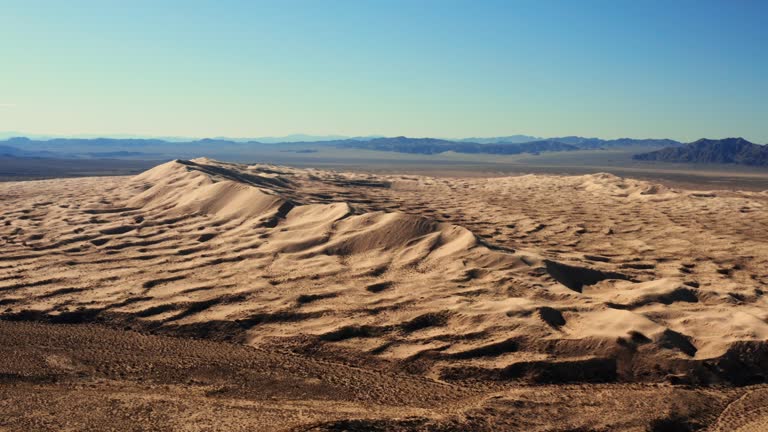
228, 149
501, 139
434, 146
266, 140
597, 143
304, 138
8, 151
729, 150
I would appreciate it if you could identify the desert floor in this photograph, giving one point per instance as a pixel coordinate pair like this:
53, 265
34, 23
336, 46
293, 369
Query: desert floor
203, 295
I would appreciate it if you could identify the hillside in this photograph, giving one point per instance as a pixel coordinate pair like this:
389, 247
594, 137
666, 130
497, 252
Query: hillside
724, 151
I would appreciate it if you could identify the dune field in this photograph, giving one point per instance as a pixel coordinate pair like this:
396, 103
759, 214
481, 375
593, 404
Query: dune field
202, 295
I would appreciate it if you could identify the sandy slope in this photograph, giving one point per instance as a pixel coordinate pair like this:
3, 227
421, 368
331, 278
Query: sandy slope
528, 279
88, 378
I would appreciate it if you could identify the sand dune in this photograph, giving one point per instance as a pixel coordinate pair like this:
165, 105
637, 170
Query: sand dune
528, 279
335, 263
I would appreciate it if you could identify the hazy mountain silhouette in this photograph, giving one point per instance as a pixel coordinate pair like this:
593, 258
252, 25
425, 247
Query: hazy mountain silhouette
596, 143
501, 139
229, 149
434, 146
9, 151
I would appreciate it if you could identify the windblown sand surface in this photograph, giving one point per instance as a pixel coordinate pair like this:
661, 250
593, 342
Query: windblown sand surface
405, 302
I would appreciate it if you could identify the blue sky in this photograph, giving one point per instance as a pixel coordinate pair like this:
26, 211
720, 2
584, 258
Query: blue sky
679, 69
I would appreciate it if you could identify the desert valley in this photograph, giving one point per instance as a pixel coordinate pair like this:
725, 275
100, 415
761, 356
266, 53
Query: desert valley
384, 216
203, 295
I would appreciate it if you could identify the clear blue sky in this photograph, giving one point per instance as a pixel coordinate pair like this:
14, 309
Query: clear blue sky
681, 69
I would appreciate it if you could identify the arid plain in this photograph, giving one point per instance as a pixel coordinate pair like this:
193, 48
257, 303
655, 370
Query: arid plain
202, 295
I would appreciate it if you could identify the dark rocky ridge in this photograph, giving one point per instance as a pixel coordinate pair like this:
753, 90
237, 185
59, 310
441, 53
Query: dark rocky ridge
724, 151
